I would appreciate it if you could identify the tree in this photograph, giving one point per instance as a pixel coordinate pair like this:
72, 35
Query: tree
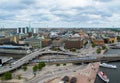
73, 80
112, 41
98, 50
93, 45
35, 68
57, 64
64, 64
55, 49
24, 68
118, 37
41, 65
103, 47
66, 79
7, 76
73, 49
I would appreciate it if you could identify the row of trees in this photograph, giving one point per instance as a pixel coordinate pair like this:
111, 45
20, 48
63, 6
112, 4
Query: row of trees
102, 48
73, 49
6, 76
39, 67
55, 49
59, 64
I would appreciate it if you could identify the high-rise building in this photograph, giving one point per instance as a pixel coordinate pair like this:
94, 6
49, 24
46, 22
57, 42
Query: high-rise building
23, 30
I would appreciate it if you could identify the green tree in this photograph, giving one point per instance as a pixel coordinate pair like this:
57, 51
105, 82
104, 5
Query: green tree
42, 63
64, 64
7, 76
93, 45
55, 49
103, 47
35, 68
24, 68
98, 50
73, 49
118, 37
57, 64
40, 66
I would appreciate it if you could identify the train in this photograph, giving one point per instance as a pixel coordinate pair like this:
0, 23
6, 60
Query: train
15, 49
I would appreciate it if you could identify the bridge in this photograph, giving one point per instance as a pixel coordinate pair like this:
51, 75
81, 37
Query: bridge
27, 58
82, 59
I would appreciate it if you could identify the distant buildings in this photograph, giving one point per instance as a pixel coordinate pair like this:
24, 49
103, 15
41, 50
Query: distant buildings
24, 30
53, 35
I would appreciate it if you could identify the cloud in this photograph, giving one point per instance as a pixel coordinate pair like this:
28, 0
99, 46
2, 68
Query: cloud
56, 13
27, 2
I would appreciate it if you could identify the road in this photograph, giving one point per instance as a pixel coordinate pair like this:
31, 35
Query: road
31, 56
45, 77
21, 61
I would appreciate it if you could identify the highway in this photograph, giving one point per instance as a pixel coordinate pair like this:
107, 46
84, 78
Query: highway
68, 60
27, 58
21, 61
31, 56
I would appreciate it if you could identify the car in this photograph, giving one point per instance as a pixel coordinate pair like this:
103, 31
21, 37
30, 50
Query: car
10, 66
14, 63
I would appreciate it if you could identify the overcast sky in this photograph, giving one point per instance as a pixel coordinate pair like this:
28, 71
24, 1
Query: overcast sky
60, 13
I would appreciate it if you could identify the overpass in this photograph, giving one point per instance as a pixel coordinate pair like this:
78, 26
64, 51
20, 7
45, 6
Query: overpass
27, 58
82, 59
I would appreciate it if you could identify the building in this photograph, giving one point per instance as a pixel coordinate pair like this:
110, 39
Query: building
25, 30
110, 38
113, 40
9, 39
34, 42
57, 43
98, 41
14, 49
22, 30
2, 40
46, 42
73, 43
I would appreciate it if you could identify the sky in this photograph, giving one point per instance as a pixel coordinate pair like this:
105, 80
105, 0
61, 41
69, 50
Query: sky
59, 13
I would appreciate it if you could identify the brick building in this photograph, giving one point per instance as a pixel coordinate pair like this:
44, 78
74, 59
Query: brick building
73, 43
46, 42
98, 41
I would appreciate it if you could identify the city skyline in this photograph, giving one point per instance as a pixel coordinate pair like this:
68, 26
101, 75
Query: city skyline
59, 13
